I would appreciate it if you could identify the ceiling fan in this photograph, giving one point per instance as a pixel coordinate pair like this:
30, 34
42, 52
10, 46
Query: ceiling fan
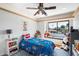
42, 9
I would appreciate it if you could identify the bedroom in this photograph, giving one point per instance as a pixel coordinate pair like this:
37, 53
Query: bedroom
16, 20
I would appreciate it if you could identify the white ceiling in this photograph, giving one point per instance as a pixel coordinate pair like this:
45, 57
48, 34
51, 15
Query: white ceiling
21, 8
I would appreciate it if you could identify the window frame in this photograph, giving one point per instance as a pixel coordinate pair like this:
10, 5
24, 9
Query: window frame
57, 24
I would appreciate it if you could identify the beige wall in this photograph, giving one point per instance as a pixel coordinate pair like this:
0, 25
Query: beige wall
76, 20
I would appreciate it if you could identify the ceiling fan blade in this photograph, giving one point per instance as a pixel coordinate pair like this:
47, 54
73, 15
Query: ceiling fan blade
37, 12
30, 8
43, 12
47, 8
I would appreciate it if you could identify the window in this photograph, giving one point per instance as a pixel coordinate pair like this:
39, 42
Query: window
63, 27
60, 27
52, 26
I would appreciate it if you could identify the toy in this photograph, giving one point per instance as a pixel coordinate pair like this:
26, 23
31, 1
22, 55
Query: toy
46, 34
26, 35
37, 34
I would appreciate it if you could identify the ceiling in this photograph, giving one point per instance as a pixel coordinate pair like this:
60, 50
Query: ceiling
21, 8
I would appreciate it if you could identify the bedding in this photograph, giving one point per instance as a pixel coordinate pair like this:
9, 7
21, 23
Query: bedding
37, 46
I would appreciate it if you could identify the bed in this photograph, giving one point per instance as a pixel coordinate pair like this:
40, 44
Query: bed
37, 46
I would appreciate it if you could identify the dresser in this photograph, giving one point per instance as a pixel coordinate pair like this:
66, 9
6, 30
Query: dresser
12, 46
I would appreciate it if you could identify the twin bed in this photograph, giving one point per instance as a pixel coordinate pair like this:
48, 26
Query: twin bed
37, 46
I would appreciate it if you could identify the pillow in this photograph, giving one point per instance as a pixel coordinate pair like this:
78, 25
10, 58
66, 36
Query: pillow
26, 36
46, 34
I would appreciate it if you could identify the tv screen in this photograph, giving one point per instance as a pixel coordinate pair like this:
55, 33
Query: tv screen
75, 35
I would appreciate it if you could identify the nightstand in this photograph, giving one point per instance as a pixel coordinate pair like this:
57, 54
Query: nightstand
12, 46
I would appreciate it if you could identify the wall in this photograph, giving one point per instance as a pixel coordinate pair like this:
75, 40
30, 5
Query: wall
40, 27
14, 22
76, 21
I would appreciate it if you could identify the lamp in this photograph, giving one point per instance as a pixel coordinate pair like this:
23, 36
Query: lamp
8, 31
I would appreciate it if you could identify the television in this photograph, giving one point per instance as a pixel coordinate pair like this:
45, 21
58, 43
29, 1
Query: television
75, 34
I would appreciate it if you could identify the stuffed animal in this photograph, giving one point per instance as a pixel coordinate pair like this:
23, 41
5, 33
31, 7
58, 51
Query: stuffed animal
26, 35
37, 34
46, 34
65, 44
77, 46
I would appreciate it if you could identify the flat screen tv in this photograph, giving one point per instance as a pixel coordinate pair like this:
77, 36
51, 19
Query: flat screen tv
75, 35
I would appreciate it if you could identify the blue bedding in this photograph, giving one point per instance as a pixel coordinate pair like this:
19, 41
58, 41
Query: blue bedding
37, 46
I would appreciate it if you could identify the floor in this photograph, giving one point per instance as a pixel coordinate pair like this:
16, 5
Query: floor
60, 52
57, 52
